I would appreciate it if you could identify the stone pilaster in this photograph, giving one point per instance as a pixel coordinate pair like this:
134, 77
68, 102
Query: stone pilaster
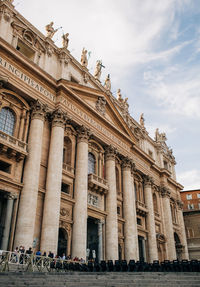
8, 218
28, 199
169, 231
51, 211
130, 226
182, 230
100, 237
111, 205
152, 243
79, 239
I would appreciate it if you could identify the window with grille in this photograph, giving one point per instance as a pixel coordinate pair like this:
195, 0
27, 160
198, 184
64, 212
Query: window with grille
91, 163
7, 121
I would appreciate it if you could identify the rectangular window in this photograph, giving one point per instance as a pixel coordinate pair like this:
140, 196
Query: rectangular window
190, 206
199, 205
198, 195
25, 50
165, 164
5, 167
189, 196
139, 221
65, 188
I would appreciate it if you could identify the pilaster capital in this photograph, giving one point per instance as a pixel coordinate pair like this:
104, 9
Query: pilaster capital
165, 192
126, 163
83, 134
38, 110
10, 196
148, 180
110, 152
58, 118
179, 204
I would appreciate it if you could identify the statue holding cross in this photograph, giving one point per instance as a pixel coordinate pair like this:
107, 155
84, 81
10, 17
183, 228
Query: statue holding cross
97, 72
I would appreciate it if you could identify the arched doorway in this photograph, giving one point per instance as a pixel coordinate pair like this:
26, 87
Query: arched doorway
62, 242
178, 245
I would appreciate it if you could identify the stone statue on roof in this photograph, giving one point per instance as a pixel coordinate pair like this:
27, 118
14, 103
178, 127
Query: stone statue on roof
107, 83
65, 40
84, 60
160, 137
142, 120
97, 72
119, 96
50, 30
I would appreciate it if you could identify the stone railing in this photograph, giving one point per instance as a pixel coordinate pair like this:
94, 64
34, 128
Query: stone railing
12, 142
97, 183
68, 168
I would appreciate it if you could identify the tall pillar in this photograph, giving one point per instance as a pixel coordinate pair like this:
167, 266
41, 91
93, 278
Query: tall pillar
185, 254
130, 226
79, 239
100, 237
8, 217
152, 243
169, 231
51, 211
111, 206
28, 199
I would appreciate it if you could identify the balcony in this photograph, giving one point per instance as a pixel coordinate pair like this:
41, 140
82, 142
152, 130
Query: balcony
141, 208
97, 184
68, 168
12, 147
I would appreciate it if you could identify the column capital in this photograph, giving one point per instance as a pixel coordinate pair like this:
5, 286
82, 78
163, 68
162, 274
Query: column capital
126, 163
38, 110
10, 196
58, 118
179, 204
83, 134
165, 192
110, 152
148, 180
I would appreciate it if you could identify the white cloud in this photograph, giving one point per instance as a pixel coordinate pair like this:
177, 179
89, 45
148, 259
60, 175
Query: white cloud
189, 179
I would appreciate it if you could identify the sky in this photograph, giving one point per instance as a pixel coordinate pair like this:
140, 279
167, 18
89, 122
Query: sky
151, 49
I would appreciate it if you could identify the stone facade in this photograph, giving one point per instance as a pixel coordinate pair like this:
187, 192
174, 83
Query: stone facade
78, 175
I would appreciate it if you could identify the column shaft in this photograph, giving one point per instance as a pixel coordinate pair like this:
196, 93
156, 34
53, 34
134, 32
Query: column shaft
170, 244
185, 254
6, 232
130, 226
28, 200
152, 243
100, 237
111, 205
51, 212
79, 239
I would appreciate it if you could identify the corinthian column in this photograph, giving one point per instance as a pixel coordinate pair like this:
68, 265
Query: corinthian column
182, 230
79, 239
130, 226
169, 231
28, 199
51, 211
111, 205
152, 243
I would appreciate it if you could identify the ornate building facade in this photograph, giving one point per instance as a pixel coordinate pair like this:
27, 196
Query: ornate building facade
78, 175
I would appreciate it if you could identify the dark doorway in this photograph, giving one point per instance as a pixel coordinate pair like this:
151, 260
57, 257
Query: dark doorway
141, 248
120, 251
92, 238
62, 242
178, 245
2, 216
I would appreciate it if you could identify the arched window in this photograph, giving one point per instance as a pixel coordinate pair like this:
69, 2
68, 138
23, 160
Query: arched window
7, 121
91, 163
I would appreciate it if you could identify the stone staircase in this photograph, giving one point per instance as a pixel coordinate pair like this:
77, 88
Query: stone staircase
107, 279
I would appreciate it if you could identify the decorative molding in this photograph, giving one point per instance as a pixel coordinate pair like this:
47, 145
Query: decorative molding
59, 118
165, 192
100, 105
110, 152
38, 110
148, 180
179, 204
83, 134
126, 163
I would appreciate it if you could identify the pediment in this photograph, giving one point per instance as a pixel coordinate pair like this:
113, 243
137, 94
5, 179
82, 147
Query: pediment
104, 106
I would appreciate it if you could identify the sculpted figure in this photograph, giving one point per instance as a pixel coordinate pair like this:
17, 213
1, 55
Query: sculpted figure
65, 40
50, 30
97, 72
84, 60
157, 135
142, 120
107, 83
119, 95
126, 105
